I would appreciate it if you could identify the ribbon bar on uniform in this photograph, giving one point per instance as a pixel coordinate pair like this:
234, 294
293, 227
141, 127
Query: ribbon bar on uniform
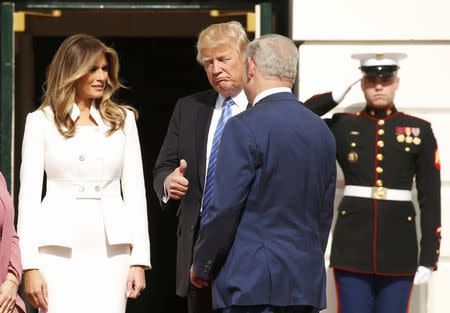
378, 193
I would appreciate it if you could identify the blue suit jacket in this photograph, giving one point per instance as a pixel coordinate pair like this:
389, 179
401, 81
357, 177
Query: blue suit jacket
265, 233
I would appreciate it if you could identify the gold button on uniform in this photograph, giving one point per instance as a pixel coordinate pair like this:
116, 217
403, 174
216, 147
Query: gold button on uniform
380, 143
381, 132
409, 218
352, 157
379, 170
380, 157
379, 183
353, 144
343, 212
381, 122
407, 149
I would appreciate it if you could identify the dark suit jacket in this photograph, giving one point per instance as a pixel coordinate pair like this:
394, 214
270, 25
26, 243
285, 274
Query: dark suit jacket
186, 138
266, 230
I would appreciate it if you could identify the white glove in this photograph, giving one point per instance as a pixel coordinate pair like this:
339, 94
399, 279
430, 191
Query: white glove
423, 275
339, 93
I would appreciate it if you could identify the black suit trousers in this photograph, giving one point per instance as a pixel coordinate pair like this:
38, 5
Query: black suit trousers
199, 299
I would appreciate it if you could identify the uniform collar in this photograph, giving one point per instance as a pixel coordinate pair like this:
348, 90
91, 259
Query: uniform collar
380, 113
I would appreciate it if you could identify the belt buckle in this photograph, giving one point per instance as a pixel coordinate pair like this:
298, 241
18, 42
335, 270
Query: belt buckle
379, 193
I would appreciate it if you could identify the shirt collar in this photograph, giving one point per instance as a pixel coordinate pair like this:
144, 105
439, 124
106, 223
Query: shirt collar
269, 92
240, 100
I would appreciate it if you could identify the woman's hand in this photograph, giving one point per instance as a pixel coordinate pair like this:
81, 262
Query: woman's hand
135, 281
36, 289
8, 293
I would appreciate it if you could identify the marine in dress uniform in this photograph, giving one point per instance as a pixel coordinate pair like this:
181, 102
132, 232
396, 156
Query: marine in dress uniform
375, 252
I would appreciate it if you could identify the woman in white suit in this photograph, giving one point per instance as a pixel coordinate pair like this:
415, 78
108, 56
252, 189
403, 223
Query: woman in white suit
85, 246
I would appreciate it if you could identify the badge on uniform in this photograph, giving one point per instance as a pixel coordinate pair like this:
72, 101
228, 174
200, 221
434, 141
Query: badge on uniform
416, 132
352, 156
408, 135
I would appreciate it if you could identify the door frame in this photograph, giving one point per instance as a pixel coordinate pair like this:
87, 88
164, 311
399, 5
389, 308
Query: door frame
7, 91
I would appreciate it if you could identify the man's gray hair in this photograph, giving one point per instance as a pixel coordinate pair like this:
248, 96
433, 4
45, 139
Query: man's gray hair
275, 56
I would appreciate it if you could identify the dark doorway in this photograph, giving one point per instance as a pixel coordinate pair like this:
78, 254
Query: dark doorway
156, 71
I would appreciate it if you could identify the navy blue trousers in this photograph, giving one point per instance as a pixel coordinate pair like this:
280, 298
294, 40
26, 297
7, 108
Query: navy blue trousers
369, 293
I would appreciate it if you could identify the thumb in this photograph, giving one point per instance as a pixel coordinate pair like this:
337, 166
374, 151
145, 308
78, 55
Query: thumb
183, 166
45, 292
129, 287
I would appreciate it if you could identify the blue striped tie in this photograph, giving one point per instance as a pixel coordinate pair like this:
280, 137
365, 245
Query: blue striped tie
211, 172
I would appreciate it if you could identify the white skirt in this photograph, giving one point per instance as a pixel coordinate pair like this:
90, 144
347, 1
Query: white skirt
90, 277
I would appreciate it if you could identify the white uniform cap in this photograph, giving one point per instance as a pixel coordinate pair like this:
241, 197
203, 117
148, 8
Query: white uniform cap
379, 64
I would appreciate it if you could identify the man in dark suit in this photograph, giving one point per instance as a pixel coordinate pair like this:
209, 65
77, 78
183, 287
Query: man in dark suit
186, 161
263, 237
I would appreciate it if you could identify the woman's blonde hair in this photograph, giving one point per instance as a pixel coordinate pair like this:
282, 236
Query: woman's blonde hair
75, 57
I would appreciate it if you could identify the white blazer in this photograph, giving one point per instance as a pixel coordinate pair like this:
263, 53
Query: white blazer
107, 170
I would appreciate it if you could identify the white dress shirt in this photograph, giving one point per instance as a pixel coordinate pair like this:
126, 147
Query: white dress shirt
240, 105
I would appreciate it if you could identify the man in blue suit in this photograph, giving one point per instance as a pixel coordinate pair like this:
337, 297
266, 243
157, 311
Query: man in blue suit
263, 237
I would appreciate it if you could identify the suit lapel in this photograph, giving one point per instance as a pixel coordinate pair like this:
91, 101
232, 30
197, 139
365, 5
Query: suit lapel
202, 129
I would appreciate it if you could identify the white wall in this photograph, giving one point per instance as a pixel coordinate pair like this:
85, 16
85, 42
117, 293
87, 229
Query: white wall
371, 20
330, 31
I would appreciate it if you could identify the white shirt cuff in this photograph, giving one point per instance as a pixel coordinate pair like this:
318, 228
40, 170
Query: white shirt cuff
166, 197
